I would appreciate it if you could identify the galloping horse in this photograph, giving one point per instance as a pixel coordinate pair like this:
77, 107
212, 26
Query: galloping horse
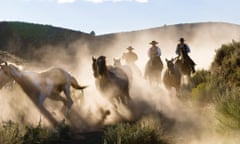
153, 70
185, 64
110, 80
49, 83
172, 76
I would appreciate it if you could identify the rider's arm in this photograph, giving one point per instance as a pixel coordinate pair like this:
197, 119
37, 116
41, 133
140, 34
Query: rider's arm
158, 52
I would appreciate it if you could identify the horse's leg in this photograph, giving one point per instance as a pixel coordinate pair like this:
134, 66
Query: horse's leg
115, 101
159, 78
177, 88
122, 99
57, 97
125, 97
182, 79
68, 95
41, 99
188, 78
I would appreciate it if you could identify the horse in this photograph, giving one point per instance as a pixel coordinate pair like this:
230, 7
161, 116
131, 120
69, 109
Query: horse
153, 70
172, 76
47, 84
185, 64
111, 81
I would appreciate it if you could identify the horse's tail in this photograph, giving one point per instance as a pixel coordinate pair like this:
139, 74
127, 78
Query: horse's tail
75, 84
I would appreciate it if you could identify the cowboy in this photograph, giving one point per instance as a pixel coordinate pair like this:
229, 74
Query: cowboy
130, 57
154, 50
154, 63
183, 47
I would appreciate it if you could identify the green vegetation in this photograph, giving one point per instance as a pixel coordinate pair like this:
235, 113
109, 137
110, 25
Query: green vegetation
228, 111
221, 87
146, 131
38, 35
13, 133
21, 38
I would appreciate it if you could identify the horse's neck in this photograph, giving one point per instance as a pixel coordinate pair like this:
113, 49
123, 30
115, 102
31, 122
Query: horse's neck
117, 64
23, 77
172, 69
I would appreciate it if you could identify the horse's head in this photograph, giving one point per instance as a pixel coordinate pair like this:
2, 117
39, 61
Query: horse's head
101, 65
4, 78
5, 68
9, 69
117, 62
170, 64
94, 67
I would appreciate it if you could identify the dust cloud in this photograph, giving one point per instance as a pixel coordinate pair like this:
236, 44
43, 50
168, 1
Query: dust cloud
93, 109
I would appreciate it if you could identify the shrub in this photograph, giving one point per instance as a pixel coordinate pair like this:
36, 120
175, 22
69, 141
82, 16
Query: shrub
126, 133
228, 111
200, 94
10, 133
201, 76
145, 131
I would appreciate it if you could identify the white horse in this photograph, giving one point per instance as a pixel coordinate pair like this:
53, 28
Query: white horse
39, 86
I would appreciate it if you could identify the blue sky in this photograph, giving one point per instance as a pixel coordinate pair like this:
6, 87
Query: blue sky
109, 16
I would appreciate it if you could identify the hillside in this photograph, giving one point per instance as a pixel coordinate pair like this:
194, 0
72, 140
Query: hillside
34, 41
26, 39
206, 111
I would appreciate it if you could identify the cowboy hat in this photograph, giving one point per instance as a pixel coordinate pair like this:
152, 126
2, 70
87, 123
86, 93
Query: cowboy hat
181, 39
130, 48
153, 42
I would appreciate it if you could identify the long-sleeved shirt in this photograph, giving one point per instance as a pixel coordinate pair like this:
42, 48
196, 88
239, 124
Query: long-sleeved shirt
130, 57
184, 47
154, 51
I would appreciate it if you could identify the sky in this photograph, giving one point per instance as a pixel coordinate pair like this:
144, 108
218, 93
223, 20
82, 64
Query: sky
111, 16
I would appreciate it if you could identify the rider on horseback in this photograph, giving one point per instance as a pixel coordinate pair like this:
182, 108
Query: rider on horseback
130, 57
154, 51
154, 65
184, 48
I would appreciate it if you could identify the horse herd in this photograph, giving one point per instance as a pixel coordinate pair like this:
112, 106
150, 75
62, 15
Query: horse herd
113, 81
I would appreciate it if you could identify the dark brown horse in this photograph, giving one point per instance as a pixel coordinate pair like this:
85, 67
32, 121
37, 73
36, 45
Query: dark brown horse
185, 64
153, 70
111, 81
172, 76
